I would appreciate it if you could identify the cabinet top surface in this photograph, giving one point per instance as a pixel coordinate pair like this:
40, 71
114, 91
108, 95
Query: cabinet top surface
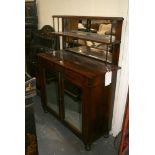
84, 65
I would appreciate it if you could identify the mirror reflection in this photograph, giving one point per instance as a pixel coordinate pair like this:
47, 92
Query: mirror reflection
100, 29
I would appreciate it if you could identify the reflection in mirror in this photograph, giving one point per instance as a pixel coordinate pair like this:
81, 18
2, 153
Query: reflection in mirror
96, 26
104, 27
103, 30
70, 24
100, 52
73, 105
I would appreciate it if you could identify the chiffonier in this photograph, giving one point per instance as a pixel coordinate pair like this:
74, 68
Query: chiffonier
78, 78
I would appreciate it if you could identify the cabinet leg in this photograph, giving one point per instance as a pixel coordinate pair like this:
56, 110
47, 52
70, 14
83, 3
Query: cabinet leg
87, 147
45, 110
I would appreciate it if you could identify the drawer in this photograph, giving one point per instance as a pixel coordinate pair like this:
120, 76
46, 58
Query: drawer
74, 77
59, 68
45, 63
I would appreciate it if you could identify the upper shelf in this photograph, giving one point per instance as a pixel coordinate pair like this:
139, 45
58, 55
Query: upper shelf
104, 39
89, 17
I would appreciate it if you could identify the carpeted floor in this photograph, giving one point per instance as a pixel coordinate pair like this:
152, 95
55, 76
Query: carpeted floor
55, 139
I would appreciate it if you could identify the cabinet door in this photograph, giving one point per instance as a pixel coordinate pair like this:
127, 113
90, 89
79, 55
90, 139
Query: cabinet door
73, 105
52, 90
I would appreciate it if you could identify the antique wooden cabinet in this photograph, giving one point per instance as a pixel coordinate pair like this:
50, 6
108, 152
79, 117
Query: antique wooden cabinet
81, 88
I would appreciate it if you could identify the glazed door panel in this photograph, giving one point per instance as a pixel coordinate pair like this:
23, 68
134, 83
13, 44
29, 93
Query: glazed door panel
52, 90
73, 105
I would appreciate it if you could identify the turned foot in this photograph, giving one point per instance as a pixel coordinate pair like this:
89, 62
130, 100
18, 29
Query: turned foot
45, 110
88, 147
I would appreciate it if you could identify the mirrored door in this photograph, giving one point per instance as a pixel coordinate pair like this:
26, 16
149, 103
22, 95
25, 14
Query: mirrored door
73, 105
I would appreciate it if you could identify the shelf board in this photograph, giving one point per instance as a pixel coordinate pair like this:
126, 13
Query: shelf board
88, 36
89, 17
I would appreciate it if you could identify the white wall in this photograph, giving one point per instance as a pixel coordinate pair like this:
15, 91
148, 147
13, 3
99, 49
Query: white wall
47, 8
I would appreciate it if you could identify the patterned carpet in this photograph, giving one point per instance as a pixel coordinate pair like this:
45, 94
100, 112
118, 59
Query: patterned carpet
56, 139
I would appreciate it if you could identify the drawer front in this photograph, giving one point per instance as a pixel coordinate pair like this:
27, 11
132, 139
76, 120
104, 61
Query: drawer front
46, 64
74, 77
59, 68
